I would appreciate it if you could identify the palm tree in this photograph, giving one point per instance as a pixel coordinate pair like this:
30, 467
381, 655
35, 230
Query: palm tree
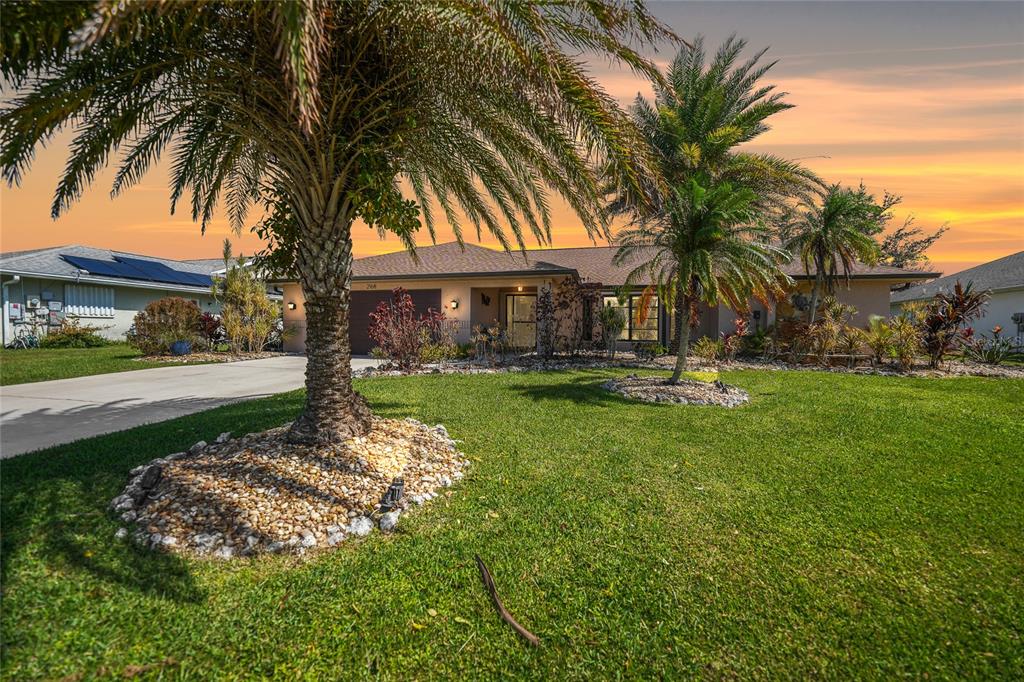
711, 246
327, 110
693, 127
831, 236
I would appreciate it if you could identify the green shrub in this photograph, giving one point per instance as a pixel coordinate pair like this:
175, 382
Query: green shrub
708, 349
163, 322
73, 334
248, 316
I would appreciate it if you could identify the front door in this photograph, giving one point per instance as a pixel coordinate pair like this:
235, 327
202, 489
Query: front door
521, 319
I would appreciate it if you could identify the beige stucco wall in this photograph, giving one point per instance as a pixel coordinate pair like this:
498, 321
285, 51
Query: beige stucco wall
466, 291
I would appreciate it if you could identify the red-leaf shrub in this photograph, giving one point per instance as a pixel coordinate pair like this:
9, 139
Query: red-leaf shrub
401, 335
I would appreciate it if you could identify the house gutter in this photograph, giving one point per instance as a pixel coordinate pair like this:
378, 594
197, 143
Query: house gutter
89, 279
6, 313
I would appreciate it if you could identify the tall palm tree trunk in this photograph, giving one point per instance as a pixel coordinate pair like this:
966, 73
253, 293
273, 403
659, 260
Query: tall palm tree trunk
680, 312
334, 411
683, 334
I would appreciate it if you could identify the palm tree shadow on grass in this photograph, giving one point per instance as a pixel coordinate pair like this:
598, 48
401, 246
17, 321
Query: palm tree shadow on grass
582, 390
55, 502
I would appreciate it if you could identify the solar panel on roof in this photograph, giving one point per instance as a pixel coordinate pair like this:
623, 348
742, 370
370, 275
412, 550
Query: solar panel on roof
159, 272
105, 268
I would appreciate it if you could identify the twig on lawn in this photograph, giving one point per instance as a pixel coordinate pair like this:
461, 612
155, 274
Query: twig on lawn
488, 581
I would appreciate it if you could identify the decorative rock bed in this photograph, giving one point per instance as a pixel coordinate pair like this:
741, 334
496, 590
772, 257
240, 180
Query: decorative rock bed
259, 494
655, 389
533, 363
209, 356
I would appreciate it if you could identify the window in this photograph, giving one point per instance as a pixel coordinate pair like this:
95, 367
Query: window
81, 300
636, 330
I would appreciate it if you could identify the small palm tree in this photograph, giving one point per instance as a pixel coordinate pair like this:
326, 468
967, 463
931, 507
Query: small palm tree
710, 245
699, 117
321, 110
831, 236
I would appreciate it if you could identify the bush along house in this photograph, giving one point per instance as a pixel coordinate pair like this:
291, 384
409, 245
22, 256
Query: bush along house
475, 286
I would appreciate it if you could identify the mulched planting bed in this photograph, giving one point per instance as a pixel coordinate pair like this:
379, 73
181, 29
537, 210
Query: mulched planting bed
259, 494
655, 389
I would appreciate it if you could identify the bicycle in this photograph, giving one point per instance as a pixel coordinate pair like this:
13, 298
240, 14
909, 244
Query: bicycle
24, 338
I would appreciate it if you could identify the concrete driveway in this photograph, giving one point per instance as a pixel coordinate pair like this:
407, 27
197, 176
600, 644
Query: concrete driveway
35, 416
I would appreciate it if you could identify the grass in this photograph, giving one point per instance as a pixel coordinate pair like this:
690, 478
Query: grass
839, 526
43, 364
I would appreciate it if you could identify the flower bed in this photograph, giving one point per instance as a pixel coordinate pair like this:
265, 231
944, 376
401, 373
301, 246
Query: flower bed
259, 494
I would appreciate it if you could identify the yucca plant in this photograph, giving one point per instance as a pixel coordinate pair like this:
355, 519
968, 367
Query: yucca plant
322, 110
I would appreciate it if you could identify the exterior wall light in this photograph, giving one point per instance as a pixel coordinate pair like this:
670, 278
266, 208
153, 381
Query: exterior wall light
455, 303
519, 288
291, 305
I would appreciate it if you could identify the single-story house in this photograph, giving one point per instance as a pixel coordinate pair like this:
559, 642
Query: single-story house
480, 286
1003, 278
103, 288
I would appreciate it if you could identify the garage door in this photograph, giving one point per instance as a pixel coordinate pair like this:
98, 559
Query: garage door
365, 302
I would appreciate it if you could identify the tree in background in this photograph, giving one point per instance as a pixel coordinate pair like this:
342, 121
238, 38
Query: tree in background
248, 315
830, 236
694, 127
328, 106
712, 246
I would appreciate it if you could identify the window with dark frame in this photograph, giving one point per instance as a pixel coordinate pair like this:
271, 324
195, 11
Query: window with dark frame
648, 331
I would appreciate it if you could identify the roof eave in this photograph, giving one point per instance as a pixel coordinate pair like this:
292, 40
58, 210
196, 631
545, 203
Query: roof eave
108, 281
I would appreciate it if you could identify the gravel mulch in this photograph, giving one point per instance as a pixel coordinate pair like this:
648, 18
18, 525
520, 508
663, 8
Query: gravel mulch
655, 389
208, 356
532, 363
259, 494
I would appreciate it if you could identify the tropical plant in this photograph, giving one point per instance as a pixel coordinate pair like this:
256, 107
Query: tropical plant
830, 237
320, 110
248, 316
904, 342
731, 342
708, 349
710, 246
878, 337
946, 318
989, 350
698, 119
612, 321
73, 334
211, 330
163, 322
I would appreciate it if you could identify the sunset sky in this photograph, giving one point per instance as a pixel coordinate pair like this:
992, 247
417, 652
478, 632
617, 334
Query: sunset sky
922, 99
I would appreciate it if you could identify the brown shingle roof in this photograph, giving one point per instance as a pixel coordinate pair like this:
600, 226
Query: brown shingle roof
450, 259
592, 263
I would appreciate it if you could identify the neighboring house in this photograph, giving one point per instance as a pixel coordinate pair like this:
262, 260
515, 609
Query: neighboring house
103, 288
478, 286
1003, 278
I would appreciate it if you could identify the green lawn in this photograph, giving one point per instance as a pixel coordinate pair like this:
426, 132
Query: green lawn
43, 364
839, 527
